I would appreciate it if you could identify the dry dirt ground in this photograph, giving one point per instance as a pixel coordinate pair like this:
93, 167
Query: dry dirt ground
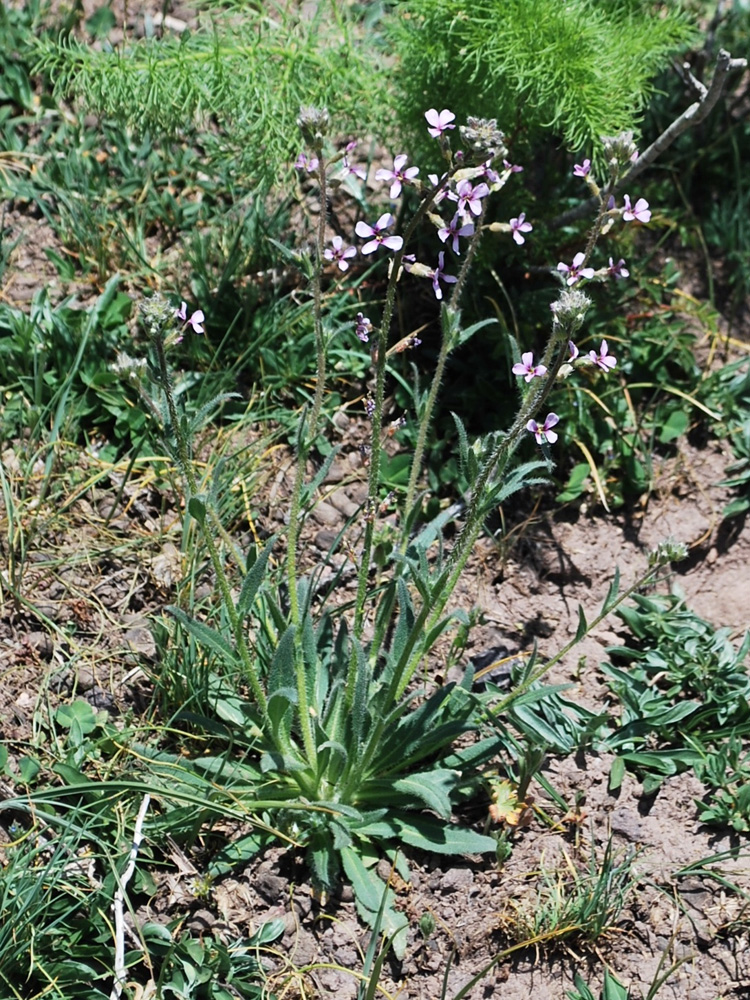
92, 579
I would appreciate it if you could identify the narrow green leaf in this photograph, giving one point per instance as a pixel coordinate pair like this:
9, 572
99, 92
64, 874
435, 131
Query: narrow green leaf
203, 634
254, 578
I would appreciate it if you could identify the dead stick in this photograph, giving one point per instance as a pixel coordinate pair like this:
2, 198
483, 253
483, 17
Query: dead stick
118, 903
700, 109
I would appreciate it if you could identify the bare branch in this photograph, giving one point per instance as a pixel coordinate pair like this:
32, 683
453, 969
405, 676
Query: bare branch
118, 904
693, 115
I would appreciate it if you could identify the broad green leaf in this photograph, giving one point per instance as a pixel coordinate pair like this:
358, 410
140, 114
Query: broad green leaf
612, 988
433, 788
368, 895
442, 838
28, 768
78, 713
675, 426
197, 508
616, 774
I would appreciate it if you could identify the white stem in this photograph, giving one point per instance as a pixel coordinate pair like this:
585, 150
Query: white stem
118, 904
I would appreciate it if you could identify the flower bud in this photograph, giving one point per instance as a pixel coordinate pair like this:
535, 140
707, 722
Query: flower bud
570, 309
483, 139
620, 150
130, 369
667, 551
157, 315
313, 123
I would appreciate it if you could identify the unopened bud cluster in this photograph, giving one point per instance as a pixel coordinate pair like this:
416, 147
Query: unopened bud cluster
620, 150
157, 315
314, 124
666, 552
482, 139
570, 309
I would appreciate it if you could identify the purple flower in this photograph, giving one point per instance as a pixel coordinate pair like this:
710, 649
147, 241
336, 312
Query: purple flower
490, 175
363, 230
512, 167
639, 212
576, 270
346, 165
574, 352
439, 121
582, 169
617, 270
527, 367
438, 275
469, 196
398, 176
442, 193
363, 328
518, 227
454, 229
369, 407
339, 253
195, 321
545, 432
603, 359
304, 163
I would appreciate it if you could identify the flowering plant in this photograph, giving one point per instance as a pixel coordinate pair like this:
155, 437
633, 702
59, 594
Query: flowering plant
349, 754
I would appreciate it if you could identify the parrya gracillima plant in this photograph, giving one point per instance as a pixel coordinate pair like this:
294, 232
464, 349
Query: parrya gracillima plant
454, 203
348, 760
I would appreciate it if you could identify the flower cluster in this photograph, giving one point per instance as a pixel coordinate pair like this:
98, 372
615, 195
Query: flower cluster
526, 368
470, 179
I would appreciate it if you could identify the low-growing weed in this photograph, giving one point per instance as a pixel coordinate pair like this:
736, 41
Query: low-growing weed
725, 771
682, 685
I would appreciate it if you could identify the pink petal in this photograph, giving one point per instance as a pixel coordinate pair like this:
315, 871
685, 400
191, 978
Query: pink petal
393, 242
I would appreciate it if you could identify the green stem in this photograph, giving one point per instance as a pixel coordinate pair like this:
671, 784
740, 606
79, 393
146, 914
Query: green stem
305, 440
373, 482
494, 465
188, 473
446, 346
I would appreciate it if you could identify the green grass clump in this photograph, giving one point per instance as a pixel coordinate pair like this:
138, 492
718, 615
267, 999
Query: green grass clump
241, 78
582, 69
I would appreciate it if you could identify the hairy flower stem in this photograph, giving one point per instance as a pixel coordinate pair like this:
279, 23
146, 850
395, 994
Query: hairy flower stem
305, 440
373, 483
494, 465
304, 443
447, 344
188, 473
